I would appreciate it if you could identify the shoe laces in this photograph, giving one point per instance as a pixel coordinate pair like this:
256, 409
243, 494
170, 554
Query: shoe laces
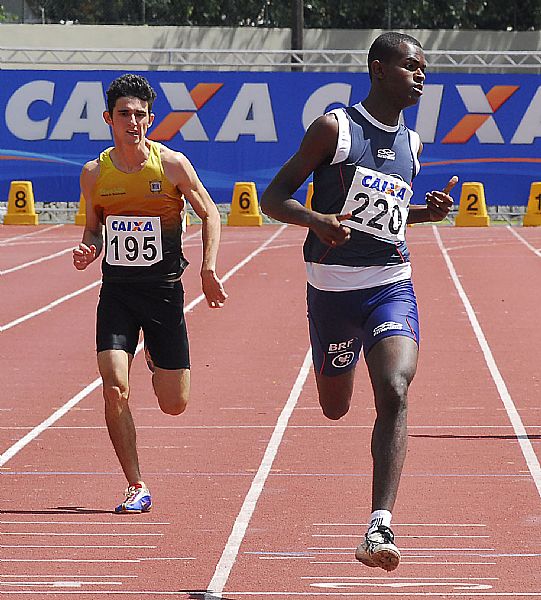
386, 534
133, 490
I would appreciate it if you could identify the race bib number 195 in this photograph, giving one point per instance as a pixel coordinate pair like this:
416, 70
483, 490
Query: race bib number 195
378, 204
133, 241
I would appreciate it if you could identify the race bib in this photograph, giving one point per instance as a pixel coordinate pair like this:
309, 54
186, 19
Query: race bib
133, 241
379, 204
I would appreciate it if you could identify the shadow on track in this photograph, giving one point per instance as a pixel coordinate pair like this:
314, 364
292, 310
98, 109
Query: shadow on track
59, 510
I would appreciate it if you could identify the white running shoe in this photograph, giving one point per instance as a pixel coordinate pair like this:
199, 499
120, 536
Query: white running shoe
137, 500
378, 549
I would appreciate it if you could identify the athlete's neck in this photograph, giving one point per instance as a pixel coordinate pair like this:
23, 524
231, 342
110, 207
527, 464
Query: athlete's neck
130, 158
382, 110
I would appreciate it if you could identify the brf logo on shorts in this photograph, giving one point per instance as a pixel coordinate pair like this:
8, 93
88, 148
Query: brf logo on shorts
340, 346
343, 360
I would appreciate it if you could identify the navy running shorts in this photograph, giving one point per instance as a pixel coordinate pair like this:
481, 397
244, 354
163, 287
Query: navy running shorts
341, 323
124, 309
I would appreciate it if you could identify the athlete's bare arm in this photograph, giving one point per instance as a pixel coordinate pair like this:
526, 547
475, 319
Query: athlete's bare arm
317, 148
92, 242
180, 171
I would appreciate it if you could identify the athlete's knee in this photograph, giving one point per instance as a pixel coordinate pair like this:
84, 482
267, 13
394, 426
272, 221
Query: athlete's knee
392, 394
172, 401
173, 405
333, 410
334, 404
335, 394
172, 390
115, 396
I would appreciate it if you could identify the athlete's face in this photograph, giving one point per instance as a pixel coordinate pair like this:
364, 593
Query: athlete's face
130, 120
403, 76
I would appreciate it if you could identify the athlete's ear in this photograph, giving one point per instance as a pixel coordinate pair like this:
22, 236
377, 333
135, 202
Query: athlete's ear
151, 119
377, 69
107, 117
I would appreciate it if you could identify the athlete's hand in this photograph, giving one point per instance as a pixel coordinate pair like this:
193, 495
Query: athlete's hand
329, 228
83, 255
440, 203
213, 289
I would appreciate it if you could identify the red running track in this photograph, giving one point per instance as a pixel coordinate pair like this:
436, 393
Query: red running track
256, 494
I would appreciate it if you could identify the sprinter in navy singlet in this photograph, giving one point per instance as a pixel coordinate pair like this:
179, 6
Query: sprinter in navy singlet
359, 291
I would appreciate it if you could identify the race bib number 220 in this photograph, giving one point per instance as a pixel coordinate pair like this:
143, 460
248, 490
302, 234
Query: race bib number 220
378, 204
133, 241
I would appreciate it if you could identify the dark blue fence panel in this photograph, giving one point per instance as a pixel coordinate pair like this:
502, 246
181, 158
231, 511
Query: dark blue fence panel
244, 126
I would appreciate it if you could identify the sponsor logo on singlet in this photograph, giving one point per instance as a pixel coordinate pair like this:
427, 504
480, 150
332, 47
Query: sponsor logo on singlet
118, 191
386, 153
155, 186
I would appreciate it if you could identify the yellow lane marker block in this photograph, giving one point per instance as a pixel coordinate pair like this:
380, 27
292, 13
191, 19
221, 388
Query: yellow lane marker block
472, 210
532, 217
80, 217
21, 209
244, 205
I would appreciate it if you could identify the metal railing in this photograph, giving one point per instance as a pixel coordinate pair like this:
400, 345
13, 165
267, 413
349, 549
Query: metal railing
211, 59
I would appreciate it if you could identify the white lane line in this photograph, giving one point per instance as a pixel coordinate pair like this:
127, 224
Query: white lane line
43, 309
20, 444
505, 396
536, 251
229, 555
6, 241
36, 261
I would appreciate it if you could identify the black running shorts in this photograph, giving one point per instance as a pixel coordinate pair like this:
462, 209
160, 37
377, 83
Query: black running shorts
124, 309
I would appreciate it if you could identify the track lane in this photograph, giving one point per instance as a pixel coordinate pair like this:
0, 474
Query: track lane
80, 452
467, 501
309, 494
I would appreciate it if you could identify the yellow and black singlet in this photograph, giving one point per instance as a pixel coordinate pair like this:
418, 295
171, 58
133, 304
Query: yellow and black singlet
142, 213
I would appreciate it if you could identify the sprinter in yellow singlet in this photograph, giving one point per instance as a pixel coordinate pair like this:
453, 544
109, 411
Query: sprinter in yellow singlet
135, 191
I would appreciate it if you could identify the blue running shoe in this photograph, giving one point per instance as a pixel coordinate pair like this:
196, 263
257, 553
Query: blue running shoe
137, 500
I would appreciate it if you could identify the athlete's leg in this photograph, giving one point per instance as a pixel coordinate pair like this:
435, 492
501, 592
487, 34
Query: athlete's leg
392, 363
114, 367
172, 388
335, 393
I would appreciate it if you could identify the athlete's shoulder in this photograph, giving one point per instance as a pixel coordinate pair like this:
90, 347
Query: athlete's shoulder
169, 156
91, 169
326, 124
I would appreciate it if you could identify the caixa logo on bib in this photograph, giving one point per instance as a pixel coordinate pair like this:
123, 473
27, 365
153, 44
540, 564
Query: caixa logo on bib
343, 360
131, 225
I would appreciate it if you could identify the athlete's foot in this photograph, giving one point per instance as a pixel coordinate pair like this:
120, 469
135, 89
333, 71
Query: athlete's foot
137, 500
379, 550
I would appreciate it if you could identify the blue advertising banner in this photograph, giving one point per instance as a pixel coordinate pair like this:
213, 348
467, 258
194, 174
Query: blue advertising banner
243, 126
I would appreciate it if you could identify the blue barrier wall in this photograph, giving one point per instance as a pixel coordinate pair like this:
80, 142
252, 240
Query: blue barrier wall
244, 126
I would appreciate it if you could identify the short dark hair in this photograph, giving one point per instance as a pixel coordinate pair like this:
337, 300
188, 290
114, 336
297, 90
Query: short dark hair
385, 46
130, 85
